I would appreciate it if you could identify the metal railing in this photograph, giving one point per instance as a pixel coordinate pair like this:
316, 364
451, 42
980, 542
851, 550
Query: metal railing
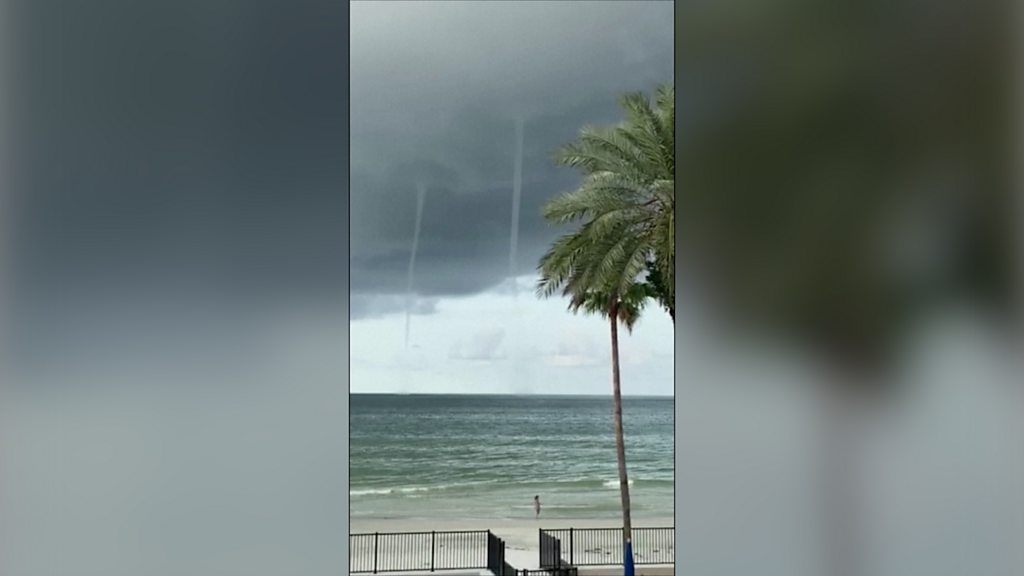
550, 550
603, 546
371, 553
496, 555
563, 571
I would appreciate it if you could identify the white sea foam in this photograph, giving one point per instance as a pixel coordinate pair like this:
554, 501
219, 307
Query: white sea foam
416, 489
369, 491
402, 490
411, 491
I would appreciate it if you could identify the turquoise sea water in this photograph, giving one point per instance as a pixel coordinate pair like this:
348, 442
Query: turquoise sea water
430, 456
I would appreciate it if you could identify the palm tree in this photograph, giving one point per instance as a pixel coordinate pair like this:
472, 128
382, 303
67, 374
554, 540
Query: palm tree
623, 253
628, 192
618, 308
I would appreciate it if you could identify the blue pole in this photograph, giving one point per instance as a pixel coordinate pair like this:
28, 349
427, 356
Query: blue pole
627, 560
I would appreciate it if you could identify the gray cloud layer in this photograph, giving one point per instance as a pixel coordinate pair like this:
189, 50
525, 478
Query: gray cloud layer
179, 169
436, 89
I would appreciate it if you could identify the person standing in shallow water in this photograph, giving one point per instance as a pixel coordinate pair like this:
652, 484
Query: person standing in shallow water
536, 506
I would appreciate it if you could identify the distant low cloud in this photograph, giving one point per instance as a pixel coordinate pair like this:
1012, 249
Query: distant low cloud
636, 357
363, 306
574, 350
491, 343
570, 360
484, 345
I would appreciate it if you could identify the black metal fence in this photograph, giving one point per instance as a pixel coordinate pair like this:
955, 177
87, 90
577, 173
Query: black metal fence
375, 552
550, 550
561, 550
603, 546
496, 555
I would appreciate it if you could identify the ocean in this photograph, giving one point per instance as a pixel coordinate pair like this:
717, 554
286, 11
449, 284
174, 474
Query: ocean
485, 457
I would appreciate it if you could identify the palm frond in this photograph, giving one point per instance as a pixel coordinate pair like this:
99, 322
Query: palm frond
626, 209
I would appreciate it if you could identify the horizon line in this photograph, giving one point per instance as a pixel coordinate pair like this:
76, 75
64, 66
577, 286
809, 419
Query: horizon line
504, 394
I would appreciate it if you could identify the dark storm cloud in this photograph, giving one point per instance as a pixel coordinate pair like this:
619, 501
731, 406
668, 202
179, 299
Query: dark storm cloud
436, 91
181, 162
181, 138
173, 277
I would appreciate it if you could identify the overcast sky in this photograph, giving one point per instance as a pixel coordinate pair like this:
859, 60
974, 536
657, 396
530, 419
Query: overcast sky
173, 287
178, 205
436, 90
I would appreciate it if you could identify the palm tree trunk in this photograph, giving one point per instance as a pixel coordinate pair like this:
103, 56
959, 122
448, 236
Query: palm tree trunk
620, 445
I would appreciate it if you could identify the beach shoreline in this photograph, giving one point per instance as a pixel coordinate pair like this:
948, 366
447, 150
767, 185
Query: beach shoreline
366, 525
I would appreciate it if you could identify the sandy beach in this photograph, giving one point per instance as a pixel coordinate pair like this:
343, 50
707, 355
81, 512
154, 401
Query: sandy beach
520, 536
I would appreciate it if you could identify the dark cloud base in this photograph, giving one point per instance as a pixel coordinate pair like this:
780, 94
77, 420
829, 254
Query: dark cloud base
440, 108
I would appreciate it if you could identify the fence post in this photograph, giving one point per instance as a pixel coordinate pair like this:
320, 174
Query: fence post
490, 551
501, 556
571, 546
375, 534
432, 550
540, 545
